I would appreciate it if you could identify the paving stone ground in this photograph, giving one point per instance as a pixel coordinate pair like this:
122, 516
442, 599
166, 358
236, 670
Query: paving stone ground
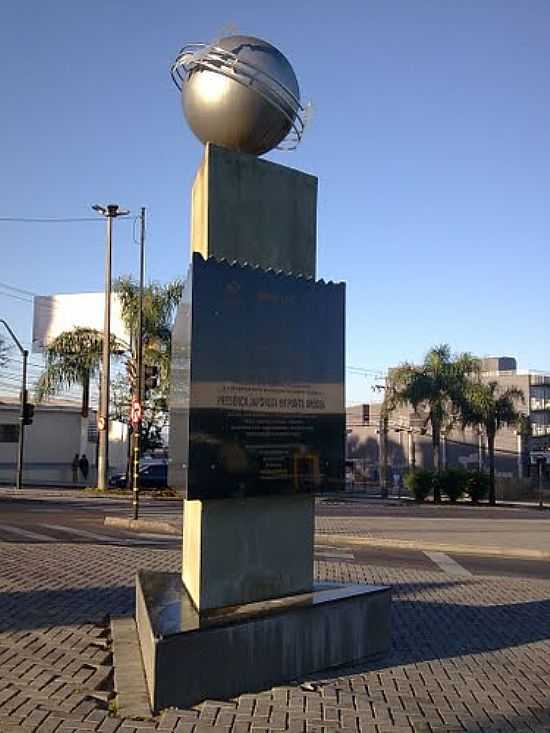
469, 654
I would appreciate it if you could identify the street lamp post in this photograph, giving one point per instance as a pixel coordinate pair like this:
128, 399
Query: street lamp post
22, 416
110, 212
138, 396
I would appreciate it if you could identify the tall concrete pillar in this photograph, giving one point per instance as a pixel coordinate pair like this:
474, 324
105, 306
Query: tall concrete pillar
255, 212
520, 454
480, 460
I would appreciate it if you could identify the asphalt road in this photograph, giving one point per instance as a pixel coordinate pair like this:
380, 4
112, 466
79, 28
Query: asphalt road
80, 520
477, 565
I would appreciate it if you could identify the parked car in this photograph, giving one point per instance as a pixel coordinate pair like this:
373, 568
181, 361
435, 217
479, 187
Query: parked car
151, 476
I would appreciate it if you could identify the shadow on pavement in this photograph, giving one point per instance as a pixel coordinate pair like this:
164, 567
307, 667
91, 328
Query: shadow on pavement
32, 610
422, 629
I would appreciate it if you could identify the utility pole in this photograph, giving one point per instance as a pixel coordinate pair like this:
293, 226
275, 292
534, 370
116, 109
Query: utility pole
383, 452
110, 212
138, 396
480, 450
412, 451
25, 415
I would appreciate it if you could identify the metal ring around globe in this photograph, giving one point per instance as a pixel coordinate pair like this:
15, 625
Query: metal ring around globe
191, 60
215, 59
208, 57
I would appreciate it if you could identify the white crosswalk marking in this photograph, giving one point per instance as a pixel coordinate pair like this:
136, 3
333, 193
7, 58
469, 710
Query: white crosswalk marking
448, 565
78, 532
335, 553
26, 534
102, 538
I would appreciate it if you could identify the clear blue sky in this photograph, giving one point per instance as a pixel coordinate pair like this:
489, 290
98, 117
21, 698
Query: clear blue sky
430, 137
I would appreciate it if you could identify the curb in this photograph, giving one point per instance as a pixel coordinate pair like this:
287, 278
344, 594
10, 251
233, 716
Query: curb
130, 685
382, 542
346, 540
142, 524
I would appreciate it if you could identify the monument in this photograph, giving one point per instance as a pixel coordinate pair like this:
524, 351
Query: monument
257, 424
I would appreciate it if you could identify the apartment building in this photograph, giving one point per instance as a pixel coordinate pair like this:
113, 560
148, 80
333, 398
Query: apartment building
409, 438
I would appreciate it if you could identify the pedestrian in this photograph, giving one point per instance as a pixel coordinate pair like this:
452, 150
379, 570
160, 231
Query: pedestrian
84, 466
75, 465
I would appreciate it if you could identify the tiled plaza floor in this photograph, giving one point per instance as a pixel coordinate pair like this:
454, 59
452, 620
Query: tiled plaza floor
469, 654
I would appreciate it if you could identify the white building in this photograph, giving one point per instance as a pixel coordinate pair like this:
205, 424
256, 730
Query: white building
52, 441
54, 314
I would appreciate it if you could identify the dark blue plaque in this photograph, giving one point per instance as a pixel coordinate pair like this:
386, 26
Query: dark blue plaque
257, 402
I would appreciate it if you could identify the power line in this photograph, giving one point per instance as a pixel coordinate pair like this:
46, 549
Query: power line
15, 377
16, 297
17, 290
48, 220
363, 370
42, 305
29, 363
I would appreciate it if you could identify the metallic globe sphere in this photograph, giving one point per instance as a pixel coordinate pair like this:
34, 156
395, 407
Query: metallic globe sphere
240, 93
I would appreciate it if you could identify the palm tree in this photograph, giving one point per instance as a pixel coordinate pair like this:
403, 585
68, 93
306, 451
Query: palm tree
436, 387
73, 358
485, 406
159, 305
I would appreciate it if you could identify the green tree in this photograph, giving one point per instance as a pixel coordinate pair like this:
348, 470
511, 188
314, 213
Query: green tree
436, 388
73, 358
155, 413
159, 306
484, 405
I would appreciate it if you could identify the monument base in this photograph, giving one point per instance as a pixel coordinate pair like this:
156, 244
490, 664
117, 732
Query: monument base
240, 551
189, 657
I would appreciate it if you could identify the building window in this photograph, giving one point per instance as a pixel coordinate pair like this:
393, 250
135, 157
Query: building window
541, 423
92, 432
540, 397
9, 433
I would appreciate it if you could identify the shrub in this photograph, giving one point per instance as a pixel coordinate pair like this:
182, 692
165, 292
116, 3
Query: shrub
477, 486
419, 483
452, 482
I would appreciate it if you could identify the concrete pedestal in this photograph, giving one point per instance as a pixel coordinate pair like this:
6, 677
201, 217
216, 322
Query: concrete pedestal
189, 657
243, 550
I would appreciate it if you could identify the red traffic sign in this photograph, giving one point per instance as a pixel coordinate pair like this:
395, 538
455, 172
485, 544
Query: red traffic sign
136, 412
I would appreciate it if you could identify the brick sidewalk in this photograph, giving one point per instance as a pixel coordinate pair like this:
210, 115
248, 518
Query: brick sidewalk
469, 655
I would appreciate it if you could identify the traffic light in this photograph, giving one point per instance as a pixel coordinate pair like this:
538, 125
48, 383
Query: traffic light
28, 413
151, 377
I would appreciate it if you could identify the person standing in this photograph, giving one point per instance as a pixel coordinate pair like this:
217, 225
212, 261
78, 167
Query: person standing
84, 466
75, 466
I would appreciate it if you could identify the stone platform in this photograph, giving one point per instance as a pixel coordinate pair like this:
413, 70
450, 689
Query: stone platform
189, 657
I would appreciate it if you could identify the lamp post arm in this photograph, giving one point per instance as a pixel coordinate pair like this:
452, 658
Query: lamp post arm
14, 337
